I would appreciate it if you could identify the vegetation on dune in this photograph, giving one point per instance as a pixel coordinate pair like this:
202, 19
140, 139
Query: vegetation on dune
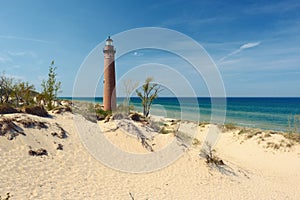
7, 109
23, 91
19, 96
292, 136
196, 142
102, 114
36, 110
128, 87
229, 126
125, 108
147, 94
50, 87
6, 198
6, 85
203, 124
209, 154
15, 92
90, 111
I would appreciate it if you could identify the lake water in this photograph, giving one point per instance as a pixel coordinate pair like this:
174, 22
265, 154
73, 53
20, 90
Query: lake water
265, 113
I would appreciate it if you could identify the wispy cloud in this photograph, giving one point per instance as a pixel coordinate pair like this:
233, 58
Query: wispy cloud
11, 37
22, 53
10, 56
275, 7
187, 21
4, 58
239, 50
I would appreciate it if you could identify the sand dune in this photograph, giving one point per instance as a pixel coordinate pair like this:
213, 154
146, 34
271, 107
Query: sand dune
253, 170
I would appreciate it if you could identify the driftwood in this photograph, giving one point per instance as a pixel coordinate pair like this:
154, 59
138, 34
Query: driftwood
9, 129
131, 195
131, 128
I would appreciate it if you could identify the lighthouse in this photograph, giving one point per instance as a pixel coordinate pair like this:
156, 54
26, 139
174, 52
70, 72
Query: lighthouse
109, 91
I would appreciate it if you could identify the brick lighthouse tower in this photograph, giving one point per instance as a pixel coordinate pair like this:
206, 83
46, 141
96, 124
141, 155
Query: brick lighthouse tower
109, 96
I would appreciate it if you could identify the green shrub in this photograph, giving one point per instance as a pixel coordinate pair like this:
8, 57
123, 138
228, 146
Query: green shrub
36, 110
102, 114
229, 126
7, 109
50, 87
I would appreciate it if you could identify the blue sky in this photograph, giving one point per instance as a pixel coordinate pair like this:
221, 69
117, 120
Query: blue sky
254, 44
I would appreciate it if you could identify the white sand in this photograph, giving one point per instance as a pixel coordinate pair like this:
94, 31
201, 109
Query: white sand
252, 171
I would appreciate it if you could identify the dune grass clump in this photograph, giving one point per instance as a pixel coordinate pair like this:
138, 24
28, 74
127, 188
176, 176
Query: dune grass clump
196, 142
60, 133
283, 144
252, 134
38, 152
229, 126
166, 130
62, 109
137, 117
36, 110
60, 147
210, 155
7, 109
102, 114
125, 108
91, 112
242, 131
5, 198
292, 136
203, 124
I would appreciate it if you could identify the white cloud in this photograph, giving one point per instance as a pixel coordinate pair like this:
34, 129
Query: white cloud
250, 45
243, 47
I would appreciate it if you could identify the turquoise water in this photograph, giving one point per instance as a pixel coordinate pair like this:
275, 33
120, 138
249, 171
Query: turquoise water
265, 113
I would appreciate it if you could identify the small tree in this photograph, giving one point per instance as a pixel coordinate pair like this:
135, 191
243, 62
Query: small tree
6, 88
148, 94
50, 87
23, 91
128, 86
16, 93
28, 91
